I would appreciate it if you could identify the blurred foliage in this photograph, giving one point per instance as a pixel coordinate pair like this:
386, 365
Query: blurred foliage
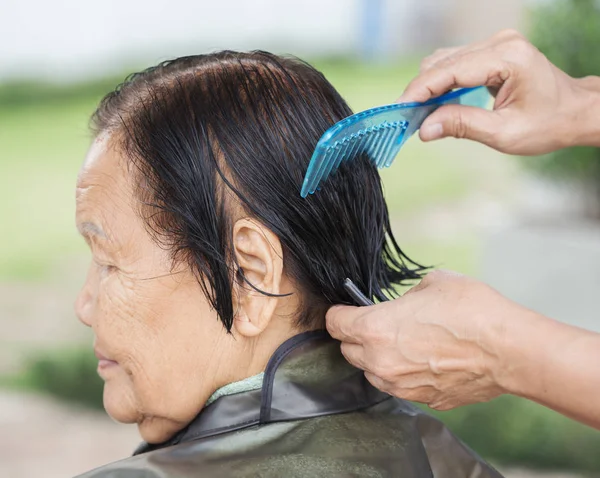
44, 137
69, 375
18, 94
568, 33
514, 431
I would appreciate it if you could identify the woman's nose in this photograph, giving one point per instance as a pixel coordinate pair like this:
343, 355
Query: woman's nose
84, 306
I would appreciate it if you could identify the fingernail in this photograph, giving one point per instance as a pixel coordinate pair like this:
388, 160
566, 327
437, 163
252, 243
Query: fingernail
433, 131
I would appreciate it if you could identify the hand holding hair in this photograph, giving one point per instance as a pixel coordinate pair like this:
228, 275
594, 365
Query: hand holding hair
452, 341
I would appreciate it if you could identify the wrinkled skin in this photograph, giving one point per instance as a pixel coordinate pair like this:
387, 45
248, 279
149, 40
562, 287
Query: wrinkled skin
538, 107
163, 350
452, 340
420, 347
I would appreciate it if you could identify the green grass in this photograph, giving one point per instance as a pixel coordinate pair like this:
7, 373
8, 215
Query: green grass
366, 84
460, 254
44, 137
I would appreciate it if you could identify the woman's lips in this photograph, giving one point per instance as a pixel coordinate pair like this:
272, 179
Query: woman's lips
103, 361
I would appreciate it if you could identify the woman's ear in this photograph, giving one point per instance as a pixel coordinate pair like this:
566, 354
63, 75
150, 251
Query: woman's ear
260, 257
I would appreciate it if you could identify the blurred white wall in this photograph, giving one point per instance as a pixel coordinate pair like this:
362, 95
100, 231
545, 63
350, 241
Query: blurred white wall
472, 20
77, 38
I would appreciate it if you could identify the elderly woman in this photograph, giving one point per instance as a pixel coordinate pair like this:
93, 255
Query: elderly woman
211, 277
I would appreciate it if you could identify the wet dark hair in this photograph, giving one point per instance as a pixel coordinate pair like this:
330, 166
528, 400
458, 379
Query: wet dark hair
203, 129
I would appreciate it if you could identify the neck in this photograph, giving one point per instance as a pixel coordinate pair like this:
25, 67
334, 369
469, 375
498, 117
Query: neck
246, 385
250, 360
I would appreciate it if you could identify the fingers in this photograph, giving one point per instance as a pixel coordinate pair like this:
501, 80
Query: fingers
422, 394
472, 69
437, 56
459, 121
343, 323
483, 63
425, 282
420, 286
377, 382
354, 354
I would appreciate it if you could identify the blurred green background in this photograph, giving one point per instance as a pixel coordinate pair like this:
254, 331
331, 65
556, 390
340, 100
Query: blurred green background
440, 196
45, 136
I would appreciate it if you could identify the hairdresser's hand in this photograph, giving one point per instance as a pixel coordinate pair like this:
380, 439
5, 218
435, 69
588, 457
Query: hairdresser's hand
452, 340
434, 345
538, 107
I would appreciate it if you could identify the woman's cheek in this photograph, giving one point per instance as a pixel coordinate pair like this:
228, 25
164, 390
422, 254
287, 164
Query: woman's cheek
116, 300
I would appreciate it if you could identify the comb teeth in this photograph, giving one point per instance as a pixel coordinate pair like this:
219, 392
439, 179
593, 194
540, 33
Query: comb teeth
378, 132
380, 142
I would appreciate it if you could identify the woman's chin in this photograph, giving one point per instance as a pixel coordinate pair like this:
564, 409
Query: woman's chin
119, 403
157, 430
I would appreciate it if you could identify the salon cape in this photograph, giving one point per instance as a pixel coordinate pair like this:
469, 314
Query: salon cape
315, 416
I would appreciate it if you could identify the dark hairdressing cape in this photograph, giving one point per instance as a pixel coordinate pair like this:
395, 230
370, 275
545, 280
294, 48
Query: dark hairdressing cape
316, 415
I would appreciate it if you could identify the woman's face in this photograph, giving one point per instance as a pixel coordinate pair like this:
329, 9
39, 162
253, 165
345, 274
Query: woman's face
162, 350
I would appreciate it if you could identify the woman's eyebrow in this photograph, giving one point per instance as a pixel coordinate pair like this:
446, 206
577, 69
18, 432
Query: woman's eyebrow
90, 229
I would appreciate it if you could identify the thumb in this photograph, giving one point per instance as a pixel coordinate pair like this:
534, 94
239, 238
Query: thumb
460, 121
341, 321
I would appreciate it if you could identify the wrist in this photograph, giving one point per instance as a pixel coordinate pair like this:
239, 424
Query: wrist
525, 352
586, 124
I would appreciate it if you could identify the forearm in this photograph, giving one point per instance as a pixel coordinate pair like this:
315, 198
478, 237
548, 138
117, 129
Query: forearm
554, 364
586, 127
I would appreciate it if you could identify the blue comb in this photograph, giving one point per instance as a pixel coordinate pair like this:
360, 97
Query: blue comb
378, 132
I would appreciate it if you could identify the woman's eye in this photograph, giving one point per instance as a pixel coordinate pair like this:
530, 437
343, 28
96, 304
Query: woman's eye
106, 268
